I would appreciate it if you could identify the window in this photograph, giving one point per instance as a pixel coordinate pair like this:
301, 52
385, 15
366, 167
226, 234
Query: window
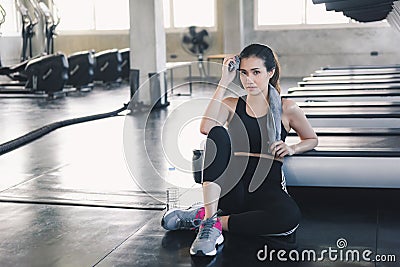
93, 14
10, 23
292, 12
317, 14
73, 18
112, 15
185, 13
277, 12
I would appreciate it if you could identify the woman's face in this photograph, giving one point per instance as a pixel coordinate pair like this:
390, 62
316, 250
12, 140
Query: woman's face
254, 75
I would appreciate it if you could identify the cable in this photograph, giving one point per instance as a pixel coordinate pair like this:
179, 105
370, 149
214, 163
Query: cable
36, 134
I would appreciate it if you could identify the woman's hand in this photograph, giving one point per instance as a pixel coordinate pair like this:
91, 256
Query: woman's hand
280, 149
227, 76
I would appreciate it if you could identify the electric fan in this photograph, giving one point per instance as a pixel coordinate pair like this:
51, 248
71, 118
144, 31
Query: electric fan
196, 41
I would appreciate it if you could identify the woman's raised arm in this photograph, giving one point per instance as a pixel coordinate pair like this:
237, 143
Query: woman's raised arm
218, 110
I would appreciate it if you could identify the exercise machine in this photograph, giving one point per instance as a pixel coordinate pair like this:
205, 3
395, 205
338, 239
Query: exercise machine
28, 24
352, 114
2, 20
355, 87
355, 72
347, 157
344, 95
2, 15
81, 70
46, 77
14, 72
108, 67
347, 77
51, 19
349, 82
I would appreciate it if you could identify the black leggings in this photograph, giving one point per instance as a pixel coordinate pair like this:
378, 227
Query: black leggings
267, 210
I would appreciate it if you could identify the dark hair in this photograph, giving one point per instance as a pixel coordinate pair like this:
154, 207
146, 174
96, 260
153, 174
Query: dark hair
270, 60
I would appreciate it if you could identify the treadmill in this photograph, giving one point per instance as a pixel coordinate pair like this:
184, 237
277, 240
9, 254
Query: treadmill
345, 77
355, 72
349, 82
355, 87
352, 111
347, 157
352, 114
344, 95
364, 104
357, 67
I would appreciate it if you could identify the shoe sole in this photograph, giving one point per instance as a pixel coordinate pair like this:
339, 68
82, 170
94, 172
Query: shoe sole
201, 253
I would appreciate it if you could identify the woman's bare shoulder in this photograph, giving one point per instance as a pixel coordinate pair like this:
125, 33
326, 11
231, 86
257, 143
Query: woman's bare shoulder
289, 106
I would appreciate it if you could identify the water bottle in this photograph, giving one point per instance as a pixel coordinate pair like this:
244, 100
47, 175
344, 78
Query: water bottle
172, 197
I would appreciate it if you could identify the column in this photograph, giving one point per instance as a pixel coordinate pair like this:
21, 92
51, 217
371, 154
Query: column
148, 46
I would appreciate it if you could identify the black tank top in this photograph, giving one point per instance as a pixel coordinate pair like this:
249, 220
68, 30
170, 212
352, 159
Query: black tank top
250, 134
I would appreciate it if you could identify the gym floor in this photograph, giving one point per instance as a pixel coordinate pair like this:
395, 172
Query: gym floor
69, 199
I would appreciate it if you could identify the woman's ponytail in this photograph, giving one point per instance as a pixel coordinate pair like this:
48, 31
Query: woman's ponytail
274, 80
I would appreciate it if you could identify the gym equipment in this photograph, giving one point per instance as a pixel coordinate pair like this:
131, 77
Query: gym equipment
51, 20
125, 64
355, 72
348, 157
350, 82
394, 17
351, 77
36, 134
16, 72
108, 67
46, 77
2, 20
334, 105
344, 95
2, 15
356, 87
352, 114
28, 24
81, 70
362, 67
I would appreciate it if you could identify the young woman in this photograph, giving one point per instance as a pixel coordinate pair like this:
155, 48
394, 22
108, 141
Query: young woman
243, 187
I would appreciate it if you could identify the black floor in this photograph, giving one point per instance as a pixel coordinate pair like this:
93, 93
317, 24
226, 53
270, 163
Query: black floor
69, 199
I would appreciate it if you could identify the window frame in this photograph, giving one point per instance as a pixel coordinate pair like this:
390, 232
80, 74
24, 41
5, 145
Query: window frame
304, 26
